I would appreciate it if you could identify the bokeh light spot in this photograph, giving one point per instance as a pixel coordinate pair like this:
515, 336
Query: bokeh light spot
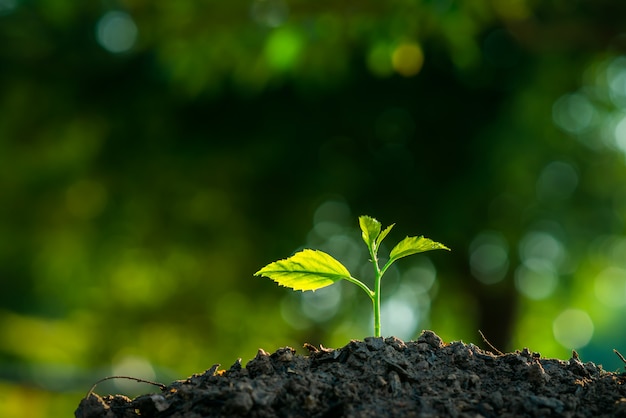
131, 365
322, 304
616, 80
7, 6
345, 249
573, 113
407, 59
116, 32
378, 60
334, 232
620, 135
283, 48
270, 13
399, 318
422, 274
610, 287
291, 311
400, 314
330, 218
540, 245
137, 281
489, 257
617, 250
536, 279
557, 181
573, 328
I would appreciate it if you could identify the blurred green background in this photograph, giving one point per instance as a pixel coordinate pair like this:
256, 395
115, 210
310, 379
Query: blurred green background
154, 155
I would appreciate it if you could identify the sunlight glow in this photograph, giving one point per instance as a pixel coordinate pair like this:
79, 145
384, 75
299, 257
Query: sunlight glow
131, 365
573, 328
331, 233
283, 48
270, 13
399, 318
543, 246
543, 257
322, 304
489, 257
573, 113
620, 135
422, 275
536, 279
610, 287
116, 32
403, 312
331, 218
616, 79
7, 6
407, 59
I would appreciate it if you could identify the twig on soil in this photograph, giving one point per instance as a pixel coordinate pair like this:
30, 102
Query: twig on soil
136, 379
311, 348
489, 344
620, 355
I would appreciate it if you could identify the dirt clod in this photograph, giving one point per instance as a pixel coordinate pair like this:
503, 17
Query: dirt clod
383, 377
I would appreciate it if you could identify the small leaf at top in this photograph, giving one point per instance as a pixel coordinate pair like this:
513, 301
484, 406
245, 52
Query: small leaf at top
383, 234
370, 228
305, 270
414, 245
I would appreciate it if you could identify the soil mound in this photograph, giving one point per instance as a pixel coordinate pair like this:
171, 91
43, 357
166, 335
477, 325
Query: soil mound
383, 378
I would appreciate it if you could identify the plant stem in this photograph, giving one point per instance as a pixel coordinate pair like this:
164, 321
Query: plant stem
362, 286
376, 298
376, 301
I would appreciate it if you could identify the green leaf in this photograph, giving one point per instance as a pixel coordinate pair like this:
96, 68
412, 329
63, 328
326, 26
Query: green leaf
383, 234
414, 245
370, 228
305, 270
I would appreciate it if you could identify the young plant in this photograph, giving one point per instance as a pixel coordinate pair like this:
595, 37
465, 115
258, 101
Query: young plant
314, 269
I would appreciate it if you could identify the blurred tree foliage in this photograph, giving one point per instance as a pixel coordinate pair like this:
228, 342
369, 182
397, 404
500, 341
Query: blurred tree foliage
153, 155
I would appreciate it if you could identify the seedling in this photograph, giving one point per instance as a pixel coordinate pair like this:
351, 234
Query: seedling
314, 269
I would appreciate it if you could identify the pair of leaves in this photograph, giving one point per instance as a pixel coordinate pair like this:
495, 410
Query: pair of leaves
314, 269
372, 235
370, 231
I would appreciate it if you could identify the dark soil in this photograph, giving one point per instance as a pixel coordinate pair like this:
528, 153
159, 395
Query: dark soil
383, 378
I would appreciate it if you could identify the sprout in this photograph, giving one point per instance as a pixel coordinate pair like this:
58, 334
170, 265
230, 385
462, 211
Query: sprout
314, 269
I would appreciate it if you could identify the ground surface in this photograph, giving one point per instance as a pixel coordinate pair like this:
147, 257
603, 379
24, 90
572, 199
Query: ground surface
383, 378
